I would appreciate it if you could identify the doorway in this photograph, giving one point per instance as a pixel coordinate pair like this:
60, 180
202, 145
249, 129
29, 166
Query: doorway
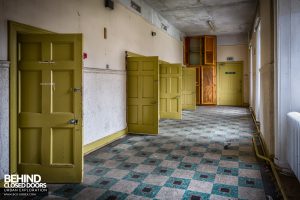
230, 84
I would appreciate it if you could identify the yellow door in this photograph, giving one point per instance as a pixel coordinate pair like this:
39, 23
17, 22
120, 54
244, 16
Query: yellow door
170, 91
142, 95
50, 107
230, 84
189, 88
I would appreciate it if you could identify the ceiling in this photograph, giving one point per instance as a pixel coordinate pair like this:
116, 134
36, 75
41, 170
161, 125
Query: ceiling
192, 16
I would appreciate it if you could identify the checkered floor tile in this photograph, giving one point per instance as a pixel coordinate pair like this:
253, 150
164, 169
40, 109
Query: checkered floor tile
206, 155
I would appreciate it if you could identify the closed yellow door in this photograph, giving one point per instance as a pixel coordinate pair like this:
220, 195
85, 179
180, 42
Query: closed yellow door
189, 88
170, 91
230, 84
50, 107
142, 95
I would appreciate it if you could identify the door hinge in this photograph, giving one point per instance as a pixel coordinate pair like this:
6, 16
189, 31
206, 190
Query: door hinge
76, 89
73, 121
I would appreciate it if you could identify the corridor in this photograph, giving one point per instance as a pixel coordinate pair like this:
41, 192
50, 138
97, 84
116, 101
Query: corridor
206, 155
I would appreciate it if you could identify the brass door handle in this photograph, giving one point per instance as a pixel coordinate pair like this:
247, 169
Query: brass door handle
153, 102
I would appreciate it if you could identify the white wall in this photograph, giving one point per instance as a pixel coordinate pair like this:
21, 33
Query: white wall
104, 103
104, 90
295, 55
126, 30
287, 72
4, 115
239, 53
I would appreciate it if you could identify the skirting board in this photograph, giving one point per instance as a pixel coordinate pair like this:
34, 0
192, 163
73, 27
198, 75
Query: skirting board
88, 148
246, 105
192, 108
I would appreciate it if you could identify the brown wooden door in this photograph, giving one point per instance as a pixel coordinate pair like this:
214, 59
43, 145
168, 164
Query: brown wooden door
209, 50
208, 85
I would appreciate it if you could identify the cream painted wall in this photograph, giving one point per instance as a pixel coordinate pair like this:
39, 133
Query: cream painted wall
239, 53
287, 72
126, 30
266, 73
104, 90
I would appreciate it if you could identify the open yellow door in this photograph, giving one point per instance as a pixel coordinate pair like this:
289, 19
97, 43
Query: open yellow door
142, 95
170, 91
230, 84
189, 88
50, 107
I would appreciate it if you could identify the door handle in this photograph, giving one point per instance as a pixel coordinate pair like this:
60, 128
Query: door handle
73, 121
153, 102
176, 97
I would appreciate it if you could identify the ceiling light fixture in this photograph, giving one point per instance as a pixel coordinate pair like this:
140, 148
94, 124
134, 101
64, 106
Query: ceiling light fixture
211, 25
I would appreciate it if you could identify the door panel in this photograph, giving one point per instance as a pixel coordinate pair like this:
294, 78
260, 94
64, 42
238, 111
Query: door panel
209, 52
49, 96
198, 85
62, 140
230, 84
189, 88
62, 51
35, 53
170, 91
62, 97
30, 99
30, 145
142, 95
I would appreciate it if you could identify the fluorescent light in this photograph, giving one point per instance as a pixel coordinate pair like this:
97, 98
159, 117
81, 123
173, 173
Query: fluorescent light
211, 25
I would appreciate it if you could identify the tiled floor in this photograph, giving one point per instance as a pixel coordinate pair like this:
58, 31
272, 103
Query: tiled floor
187, 160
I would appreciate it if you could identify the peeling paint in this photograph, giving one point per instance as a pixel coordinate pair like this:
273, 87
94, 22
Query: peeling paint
191, 16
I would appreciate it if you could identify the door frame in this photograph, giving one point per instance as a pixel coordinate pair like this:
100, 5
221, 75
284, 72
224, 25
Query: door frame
218, 78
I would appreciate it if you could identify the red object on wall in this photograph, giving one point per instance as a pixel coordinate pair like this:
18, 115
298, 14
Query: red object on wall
84, 55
